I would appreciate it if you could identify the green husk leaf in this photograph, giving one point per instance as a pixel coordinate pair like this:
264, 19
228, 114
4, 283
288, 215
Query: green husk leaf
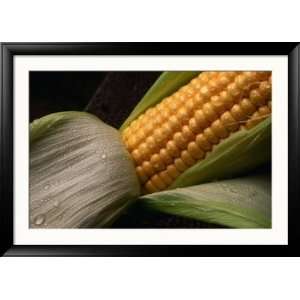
81, 175
164, 86
238, 203
243, 151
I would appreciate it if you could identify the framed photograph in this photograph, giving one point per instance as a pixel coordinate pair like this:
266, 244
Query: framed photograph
149, 149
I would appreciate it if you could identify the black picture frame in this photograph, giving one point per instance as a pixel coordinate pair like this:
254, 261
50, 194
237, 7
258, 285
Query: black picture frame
9, 50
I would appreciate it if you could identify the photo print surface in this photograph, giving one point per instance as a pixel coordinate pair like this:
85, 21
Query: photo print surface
150, 149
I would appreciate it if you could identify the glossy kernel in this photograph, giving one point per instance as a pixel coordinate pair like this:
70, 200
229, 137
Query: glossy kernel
156, 180
219, 130
180, 165
203, 143
195, 151
211, 137
229, 122
156, 162
187, 158
166, 178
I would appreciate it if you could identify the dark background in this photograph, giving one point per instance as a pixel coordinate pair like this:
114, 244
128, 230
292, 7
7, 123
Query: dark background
60, 91
111, 96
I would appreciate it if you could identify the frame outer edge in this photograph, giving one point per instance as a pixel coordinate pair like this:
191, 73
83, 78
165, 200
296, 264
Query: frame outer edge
2, 207
6, 146
293, 146
6, 211
151, 48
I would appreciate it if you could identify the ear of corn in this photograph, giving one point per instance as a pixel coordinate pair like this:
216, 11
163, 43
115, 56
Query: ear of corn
80, 172
169, 139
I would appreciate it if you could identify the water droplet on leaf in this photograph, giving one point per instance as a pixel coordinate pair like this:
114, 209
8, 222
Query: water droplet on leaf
39, 220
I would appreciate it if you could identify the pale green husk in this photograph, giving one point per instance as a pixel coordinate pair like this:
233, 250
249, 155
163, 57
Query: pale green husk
240, 203
81, 175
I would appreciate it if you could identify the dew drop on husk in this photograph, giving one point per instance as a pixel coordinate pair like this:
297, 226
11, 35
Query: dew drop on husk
39, 220
56, 203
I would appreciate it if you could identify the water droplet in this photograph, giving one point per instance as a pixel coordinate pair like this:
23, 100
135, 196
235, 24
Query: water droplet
46, 187
39, 220
103, 156
60, 217
56, 203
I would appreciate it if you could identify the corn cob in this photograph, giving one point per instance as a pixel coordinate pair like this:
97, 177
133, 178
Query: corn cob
179, 131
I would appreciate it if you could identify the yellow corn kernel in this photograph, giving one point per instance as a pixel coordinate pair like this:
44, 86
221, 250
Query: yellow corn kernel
200, 118
136, 154
256, 98
219, 129
229, 122
247, 107
147, 168
202, 142
156, 162
180, 165
237, 112
195, 151
142, 175
194, 125
172, 171
209, 112
218, 105
166, 177
157, 182
210, 136
187, 133
180, 140
166, 158
150, 188
172, 149
187, 158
